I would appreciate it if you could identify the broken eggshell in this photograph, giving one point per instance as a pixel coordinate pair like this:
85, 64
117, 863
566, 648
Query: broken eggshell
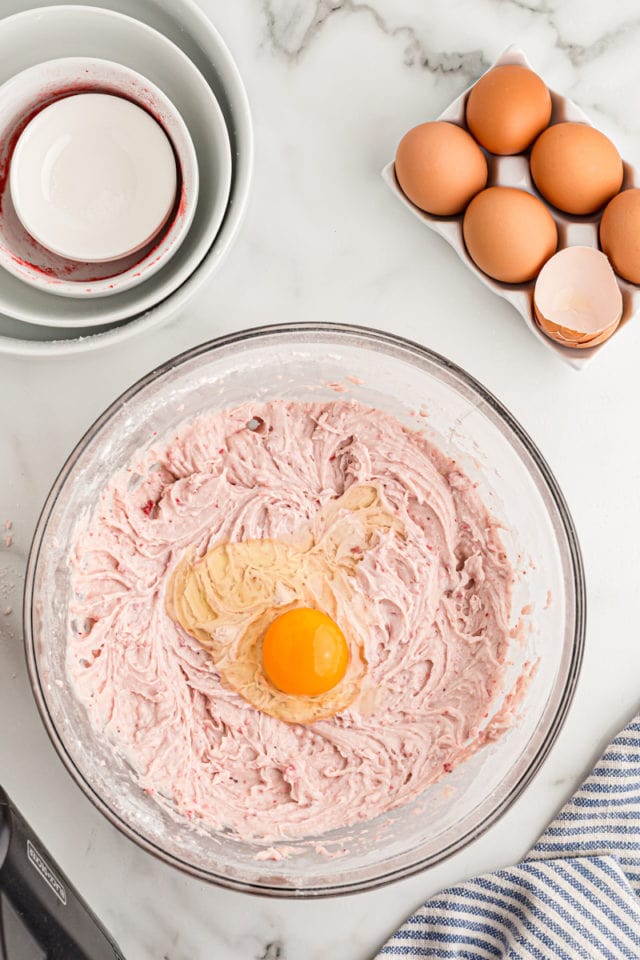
577, 301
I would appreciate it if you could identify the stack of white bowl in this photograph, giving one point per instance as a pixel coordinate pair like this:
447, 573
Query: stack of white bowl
59, 304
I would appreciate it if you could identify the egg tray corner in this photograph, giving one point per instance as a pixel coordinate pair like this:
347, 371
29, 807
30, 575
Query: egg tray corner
513, 171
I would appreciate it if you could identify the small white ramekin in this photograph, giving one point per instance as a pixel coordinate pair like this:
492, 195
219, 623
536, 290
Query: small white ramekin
21, 98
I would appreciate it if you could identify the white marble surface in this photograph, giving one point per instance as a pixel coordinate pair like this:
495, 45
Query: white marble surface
333, 85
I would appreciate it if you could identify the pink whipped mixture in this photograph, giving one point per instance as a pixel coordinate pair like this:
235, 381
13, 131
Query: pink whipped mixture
437, 643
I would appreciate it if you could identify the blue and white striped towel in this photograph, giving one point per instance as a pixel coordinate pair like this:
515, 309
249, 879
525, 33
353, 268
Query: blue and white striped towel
575, 897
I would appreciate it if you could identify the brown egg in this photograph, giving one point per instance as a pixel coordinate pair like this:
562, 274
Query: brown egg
577, 301
440, 167
620, 234
509, 234
507, 109
575, 167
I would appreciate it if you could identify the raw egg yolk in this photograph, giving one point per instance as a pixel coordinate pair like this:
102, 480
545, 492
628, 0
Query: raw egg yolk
304, 653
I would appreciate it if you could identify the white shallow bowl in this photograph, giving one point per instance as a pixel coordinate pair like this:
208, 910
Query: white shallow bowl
22, 97
34, 35
93, 177
305, 362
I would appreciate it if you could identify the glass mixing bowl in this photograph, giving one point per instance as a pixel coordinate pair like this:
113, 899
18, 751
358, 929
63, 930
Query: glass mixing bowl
301, 362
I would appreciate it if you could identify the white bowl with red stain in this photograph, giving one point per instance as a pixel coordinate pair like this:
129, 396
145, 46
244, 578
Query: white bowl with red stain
43, 113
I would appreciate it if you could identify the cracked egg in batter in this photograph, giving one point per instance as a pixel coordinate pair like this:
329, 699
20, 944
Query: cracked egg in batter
284, 620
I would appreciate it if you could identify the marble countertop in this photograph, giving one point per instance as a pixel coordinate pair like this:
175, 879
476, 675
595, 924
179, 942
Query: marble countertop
333, 85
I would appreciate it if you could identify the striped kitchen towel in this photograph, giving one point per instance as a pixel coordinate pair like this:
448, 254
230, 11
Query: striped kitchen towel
575, 897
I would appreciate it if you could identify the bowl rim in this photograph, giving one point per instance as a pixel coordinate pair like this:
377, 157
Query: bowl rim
176, 227
370, 335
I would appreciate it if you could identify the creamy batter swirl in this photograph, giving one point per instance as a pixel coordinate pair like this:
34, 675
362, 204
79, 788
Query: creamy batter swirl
434, 643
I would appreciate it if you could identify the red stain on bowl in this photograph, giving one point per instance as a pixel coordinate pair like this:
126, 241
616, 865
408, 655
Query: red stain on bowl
45, 271
182, 205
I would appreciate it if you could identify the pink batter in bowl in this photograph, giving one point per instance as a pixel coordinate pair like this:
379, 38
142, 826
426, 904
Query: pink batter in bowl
318, 364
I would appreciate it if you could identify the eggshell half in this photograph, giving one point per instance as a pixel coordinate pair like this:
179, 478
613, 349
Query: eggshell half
577, 300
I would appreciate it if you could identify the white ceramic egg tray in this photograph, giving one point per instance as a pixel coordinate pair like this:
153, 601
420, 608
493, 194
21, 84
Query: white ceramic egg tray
514, 172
